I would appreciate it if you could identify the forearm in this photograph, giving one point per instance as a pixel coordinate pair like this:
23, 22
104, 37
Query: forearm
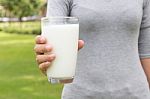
146, 66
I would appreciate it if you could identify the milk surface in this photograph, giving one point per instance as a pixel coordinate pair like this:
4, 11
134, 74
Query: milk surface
64, 39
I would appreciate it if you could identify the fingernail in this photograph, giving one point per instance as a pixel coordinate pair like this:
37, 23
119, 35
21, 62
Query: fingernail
47, 63
42, 40
48, 47
52, 56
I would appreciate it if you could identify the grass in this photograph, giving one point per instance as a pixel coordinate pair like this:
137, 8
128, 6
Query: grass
20, 77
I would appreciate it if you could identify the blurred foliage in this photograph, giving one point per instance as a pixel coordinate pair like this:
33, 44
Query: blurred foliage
21, 28
22, 8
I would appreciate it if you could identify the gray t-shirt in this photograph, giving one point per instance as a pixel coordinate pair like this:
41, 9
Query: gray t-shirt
116, 35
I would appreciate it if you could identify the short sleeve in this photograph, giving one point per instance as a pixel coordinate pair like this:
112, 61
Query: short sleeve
58, 8
144, 37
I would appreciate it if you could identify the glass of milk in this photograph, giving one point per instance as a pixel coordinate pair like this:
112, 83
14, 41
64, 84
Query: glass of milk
62, 33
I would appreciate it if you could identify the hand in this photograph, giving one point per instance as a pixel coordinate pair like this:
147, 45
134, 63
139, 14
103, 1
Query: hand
42, 47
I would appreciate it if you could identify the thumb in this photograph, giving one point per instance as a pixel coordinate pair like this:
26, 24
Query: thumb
80, 44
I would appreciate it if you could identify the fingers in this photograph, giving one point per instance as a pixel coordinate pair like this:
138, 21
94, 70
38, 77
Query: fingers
44, 61
40, 40
80, 44
43, 67
42, 48
45, 58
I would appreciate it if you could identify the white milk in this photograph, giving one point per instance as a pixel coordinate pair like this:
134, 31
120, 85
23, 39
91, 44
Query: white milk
64, 39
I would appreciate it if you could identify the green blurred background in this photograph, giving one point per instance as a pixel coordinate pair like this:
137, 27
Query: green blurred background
20, 77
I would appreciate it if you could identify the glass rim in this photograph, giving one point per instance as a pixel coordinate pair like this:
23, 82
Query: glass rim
58, 17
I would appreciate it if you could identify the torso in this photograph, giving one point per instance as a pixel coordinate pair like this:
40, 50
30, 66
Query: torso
108, 66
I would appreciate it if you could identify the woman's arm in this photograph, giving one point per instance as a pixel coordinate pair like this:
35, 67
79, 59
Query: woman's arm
146, 66
144, 39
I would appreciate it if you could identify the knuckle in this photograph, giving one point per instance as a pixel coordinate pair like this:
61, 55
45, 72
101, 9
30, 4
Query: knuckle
40, 49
